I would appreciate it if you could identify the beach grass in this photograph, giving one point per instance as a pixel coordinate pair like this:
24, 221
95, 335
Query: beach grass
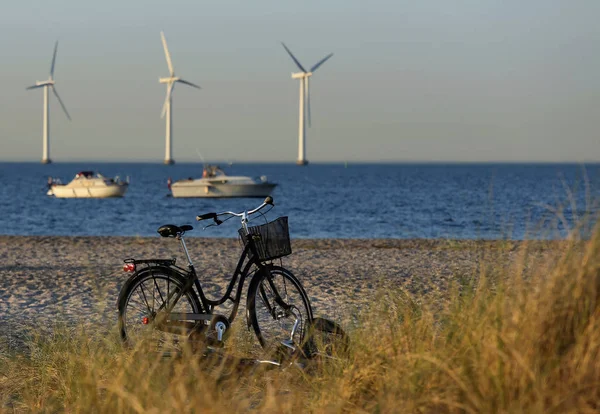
523, 338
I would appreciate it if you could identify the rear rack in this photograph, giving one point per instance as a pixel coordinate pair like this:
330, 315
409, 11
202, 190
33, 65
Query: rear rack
164, 262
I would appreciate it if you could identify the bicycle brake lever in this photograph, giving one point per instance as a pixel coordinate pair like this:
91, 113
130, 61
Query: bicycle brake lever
217, 221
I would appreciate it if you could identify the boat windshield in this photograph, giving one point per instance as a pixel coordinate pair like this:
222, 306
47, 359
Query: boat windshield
211, 171
84, 174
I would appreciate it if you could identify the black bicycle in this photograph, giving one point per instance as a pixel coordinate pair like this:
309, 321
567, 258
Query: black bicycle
165, 303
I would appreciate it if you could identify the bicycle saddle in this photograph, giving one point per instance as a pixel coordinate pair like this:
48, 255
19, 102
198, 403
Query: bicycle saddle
171, 230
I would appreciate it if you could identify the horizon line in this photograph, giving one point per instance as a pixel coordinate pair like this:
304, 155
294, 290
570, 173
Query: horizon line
228, 162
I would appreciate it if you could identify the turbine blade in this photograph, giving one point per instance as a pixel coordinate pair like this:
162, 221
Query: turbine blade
188, 83
167, 99
53, 59
34, 87
167, 55
61, 103
307, 94
319, 63
293, 57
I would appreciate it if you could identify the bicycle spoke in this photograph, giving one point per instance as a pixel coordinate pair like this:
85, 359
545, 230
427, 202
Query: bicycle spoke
160, 294
145, 299
154, 296
139, 307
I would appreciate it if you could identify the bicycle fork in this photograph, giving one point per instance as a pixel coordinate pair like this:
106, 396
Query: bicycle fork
280, 310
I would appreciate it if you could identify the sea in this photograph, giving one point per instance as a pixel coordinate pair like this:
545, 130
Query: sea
333, 200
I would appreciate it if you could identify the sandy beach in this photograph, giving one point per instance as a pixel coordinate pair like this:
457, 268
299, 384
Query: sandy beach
46, 280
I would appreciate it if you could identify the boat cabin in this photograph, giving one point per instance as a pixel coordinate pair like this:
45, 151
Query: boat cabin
211, 171
84, 174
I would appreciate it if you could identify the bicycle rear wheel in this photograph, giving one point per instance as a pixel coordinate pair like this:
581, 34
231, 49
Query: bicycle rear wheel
279, 310
140, 310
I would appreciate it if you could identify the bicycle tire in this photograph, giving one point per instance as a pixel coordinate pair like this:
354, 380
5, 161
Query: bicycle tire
271, 322
138, 301
326, 339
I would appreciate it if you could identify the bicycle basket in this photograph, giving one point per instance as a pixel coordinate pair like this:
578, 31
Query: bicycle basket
272, 239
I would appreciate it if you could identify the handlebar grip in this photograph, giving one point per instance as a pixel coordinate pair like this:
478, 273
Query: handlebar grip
206, 216
269, 201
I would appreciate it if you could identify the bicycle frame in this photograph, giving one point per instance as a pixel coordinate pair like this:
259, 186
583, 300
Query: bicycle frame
241, 272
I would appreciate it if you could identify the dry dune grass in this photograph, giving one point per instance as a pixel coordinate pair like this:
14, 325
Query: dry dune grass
524, 338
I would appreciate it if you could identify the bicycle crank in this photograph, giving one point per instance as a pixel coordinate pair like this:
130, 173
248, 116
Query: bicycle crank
219, 326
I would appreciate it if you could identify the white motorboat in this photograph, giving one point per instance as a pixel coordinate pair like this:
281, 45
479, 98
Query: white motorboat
216, 184
88, 184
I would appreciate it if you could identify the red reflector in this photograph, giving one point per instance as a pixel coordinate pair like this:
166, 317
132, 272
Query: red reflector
145, 320
129, 267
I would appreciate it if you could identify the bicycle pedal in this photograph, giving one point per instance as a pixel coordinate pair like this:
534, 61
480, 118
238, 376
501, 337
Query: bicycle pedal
284, 352
287, 343
219, 327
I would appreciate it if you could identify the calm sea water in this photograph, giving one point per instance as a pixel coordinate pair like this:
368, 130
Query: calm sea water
463, 201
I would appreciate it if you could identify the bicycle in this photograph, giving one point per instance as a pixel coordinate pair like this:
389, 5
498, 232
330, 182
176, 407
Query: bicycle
165, 303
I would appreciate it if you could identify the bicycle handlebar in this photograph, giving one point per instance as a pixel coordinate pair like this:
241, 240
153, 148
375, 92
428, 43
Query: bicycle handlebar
206, 216
214, 216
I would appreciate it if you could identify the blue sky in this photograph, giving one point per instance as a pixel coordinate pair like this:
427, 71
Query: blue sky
424, 80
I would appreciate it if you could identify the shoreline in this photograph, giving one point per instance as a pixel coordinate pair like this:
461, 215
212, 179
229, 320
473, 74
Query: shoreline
393, 241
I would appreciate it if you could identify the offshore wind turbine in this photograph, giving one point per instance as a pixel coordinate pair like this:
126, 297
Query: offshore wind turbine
49, 83
167, 107
304, 102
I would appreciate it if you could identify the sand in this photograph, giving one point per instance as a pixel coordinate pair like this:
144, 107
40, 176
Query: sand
74, 280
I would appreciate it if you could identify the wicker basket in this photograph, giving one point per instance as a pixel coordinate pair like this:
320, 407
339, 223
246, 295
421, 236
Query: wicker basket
272, 239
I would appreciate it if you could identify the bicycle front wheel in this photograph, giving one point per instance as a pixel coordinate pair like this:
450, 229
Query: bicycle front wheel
279, 309
143, 304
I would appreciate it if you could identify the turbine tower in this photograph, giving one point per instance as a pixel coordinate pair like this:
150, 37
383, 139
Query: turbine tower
45, 131
304, 102
170, 81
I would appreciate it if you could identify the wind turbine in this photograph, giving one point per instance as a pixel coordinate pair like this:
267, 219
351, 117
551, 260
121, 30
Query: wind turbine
304, 97
48, 84
170, 81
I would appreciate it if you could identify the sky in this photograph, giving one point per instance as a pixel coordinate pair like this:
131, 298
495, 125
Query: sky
417, 81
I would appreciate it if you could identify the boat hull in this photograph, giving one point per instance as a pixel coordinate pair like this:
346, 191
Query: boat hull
207, 190
64, 191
